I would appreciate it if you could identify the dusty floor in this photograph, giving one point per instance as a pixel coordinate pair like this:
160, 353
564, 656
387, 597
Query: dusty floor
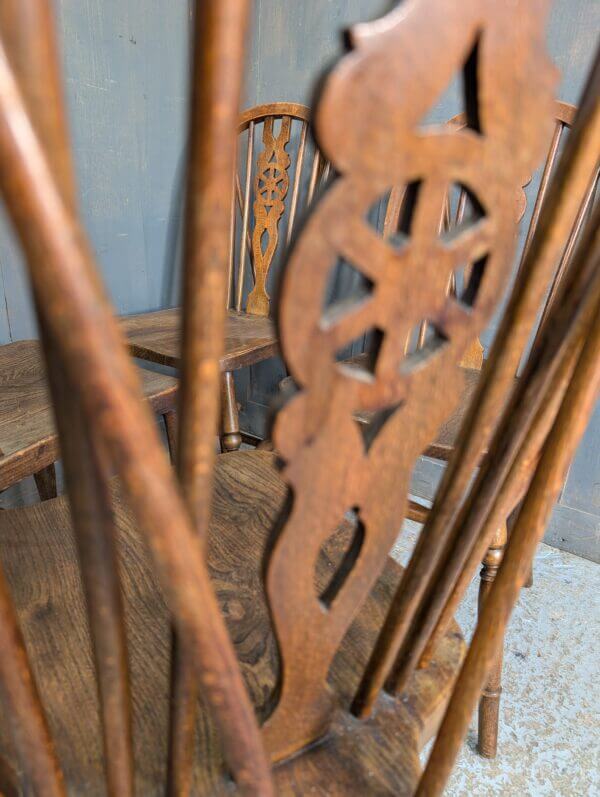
550, 714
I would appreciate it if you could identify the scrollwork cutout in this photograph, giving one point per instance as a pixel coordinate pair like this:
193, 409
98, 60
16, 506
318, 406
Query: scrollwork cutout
368, 124
271, 184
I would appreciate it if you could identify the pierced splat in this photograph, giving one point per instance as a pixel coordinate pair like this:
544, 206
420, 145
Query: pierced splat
347, 288
352, 533
271, 184
469, 212
330, 464
471, 89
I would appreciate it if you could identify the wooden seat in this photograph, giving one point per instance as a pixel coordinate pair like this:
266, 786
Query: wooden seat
28, 438
40, 562
156, 337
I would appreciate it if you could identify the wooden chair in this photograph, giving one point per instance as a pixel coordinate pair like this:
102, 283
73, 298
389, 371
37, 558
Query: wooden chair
305, 618
460, 210
28, 437
282, 174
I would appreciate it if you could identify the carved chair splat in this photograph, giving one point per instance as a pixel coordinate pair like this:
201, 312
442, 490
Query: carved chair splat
286, 607
282, 171
452, 216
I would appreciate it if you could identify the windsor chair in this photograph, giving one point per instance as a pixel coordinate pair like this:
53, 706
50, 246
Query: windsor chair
460, 209
274, 186
455, 213
311, 603
29, 443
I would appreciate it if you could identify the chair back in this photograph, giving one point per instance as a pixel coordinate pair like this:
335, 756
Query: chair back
368, 123
282, 171
461, 209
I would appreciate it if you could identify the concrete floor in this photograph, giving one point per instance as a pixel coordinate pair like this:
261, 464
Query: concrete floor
550, 714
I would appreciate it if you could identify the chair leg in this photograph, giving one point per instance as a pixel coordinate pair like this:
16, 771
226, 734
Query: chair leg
511, 521
45, 481
231, 439
489, 705
170, 419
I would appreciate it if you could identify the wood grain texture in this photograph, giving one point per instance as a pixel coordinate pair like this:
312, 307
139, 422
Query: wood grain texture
249, 497
28, 32
28, 438
287, 611
157, 337
218, 61
83, 327
330, 465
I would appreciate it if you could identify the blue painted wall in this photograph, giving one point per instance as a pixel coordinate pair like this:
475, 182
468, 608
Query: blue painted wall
126, 68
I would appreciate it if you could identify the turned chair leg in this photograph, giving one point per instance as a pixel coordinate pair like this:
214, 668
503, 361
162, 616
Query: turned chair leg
170, 419
45, 481
489, 705
231, 439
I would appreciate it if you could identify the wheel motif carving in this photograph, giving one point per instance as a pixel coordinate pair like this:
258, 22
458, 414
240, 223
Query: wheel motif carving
271, 184
369, 126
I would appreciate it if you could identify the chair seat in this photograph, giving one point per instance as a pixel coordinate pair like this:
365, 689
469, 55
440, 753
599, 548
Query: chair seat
379, 756
28, 440
156, 337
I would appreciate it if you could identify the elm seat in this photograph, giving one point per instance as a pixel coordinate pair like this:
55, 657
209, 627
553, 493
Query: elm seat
39, 558
156, 337
28, 439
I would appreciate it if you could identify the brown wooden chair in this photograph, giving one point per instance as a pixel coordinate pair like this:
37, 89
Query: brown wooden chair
282, 174
28, 436
460, 210
305, 618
